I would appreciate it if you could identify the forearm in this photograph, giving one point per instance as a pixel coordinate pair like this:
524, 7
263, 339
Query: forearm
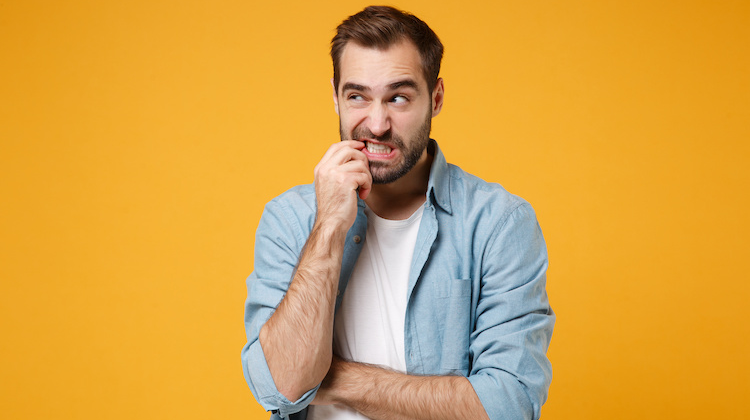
383, 394
297, 338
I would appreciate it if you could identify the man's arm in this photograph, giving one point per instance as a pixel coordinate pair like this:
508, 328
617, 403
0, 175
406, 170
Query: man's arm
296, 340
384, 394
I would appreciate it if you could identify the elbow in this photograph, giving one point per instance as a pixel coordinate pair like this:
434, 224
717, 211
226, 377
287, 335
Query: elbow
296, 385
292, 392
293, 375
305, 377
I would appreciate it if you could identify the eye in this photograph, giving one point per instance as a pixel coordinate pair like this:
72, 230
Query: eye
399, 99
356, 97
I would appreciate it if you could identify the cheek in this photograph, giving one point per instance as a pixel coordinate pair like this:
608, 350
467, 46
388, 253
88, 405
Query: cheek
407, 124
350, 119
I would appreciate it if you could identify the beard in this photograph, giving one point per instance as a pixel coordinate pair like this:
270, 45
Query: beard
383, 172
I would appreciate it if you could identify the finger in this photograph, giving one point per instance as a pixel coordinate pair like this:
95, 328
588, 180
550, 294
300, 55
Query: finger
364, 184
355, 174
335, 147
338, 154
355, 165
366, 187
345, 154
356, 144
364, 192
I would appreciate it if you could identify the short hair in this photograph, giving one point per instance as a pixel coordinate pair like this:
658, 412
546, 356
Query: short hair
381, 27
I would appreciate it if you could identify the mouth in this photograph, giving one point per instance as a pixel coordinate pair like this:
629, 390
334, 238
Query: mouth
377, 148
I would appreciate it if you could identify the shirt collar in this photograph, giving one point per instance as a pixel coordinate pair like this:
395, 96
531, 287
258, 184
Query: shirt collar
438, 186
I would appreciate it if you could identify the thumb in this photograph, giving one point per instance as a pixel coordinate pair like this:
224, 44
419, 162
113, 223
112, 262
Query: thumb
364, 192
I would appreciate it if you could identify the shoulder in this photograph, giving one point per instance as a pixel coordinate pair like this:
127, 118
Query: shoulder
292, 212
300, 198
489, 202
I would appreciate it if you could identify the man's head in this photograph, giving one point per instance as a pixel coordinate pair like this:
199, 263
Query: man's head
383, 26
386, 87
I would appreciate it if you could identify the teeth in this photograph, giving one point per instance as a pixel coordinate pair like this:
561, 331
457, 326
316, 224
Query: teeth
378, 148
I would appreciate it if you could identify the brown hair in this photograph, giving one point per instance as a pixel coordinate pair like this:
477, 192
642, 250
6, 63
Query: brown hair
382, 26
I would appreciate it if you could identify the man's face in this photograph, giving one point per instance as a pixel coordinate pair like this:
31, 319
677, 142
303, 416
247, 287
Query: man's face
383, 100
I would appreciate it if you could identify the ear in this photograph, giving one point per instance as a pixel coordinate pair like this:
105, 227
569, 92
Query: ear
335, 97
437, 97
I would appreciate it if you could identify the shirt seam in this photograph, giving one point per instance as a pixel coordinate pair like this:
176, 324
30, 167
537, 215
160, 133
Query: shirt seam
494, 235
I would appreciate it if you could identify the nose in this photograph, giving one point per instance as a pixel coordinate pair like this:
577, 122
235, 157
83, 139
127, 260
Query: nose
379, 121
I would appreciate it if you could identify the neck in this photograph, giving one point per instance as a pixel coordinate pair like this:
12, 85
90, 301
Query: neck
400, 199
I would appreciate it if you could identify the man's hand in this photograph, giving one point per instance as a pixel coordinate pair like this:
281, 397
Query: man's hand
335, 381
341, 172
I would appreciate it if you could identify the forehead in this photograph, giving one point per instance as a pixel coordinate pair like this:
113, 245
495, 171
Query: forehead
375, 68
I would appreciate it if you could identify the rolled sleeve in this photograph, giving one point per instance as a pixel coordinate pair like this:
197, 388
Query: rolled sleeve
262, 385
278, 244
510, 371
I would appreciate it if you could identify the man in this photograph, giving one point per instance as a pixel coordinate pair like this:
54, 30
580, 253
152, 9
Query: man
396, 286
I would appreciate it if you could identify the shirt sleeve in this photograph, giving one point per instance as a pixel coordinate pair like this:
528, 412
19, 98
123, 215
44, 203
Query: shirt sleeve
278, 244
510, 371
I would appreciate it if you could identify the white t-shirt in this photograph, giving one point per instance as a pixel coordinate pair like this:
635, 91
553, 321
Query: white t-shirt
369, 325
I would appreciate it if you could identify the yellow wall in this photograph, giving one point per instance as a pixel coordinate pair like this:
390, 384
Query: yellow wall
140, 140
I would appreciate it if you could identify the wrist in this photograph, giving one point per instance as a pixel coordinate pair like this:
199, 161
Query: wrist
330, 228
352, 382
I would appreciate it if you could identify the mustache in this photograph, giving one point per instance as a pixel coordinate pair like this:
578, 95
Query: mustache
363, 132
387, 137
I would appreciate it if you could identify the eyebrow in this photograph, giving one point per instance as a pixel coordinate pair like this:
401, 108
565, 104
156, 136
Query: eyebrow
409, 83
354, 86
404, 83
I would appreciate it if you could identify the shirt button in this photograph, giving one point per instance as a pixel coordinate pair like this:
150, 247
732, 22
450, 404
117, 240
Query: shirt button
357, 239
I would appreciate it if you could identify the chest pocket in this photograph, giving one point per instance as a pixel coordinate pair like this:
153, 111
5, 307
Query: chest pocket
455, 288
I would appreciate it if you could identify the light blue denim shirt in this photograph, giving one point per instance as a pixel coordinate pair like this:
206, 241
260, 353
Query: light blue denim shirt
477, 304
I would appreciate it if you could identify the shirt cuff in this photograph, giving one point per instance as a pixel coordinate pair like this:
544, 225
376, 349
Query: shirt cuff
501, 400
266, 393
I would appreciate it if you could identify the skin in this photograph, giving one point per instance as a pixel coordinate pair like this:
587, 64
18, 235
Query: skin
380, 393
382, 98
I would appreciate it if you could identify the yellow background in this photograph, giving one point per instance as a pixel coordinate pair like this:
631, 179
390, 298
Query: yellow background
141, 139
